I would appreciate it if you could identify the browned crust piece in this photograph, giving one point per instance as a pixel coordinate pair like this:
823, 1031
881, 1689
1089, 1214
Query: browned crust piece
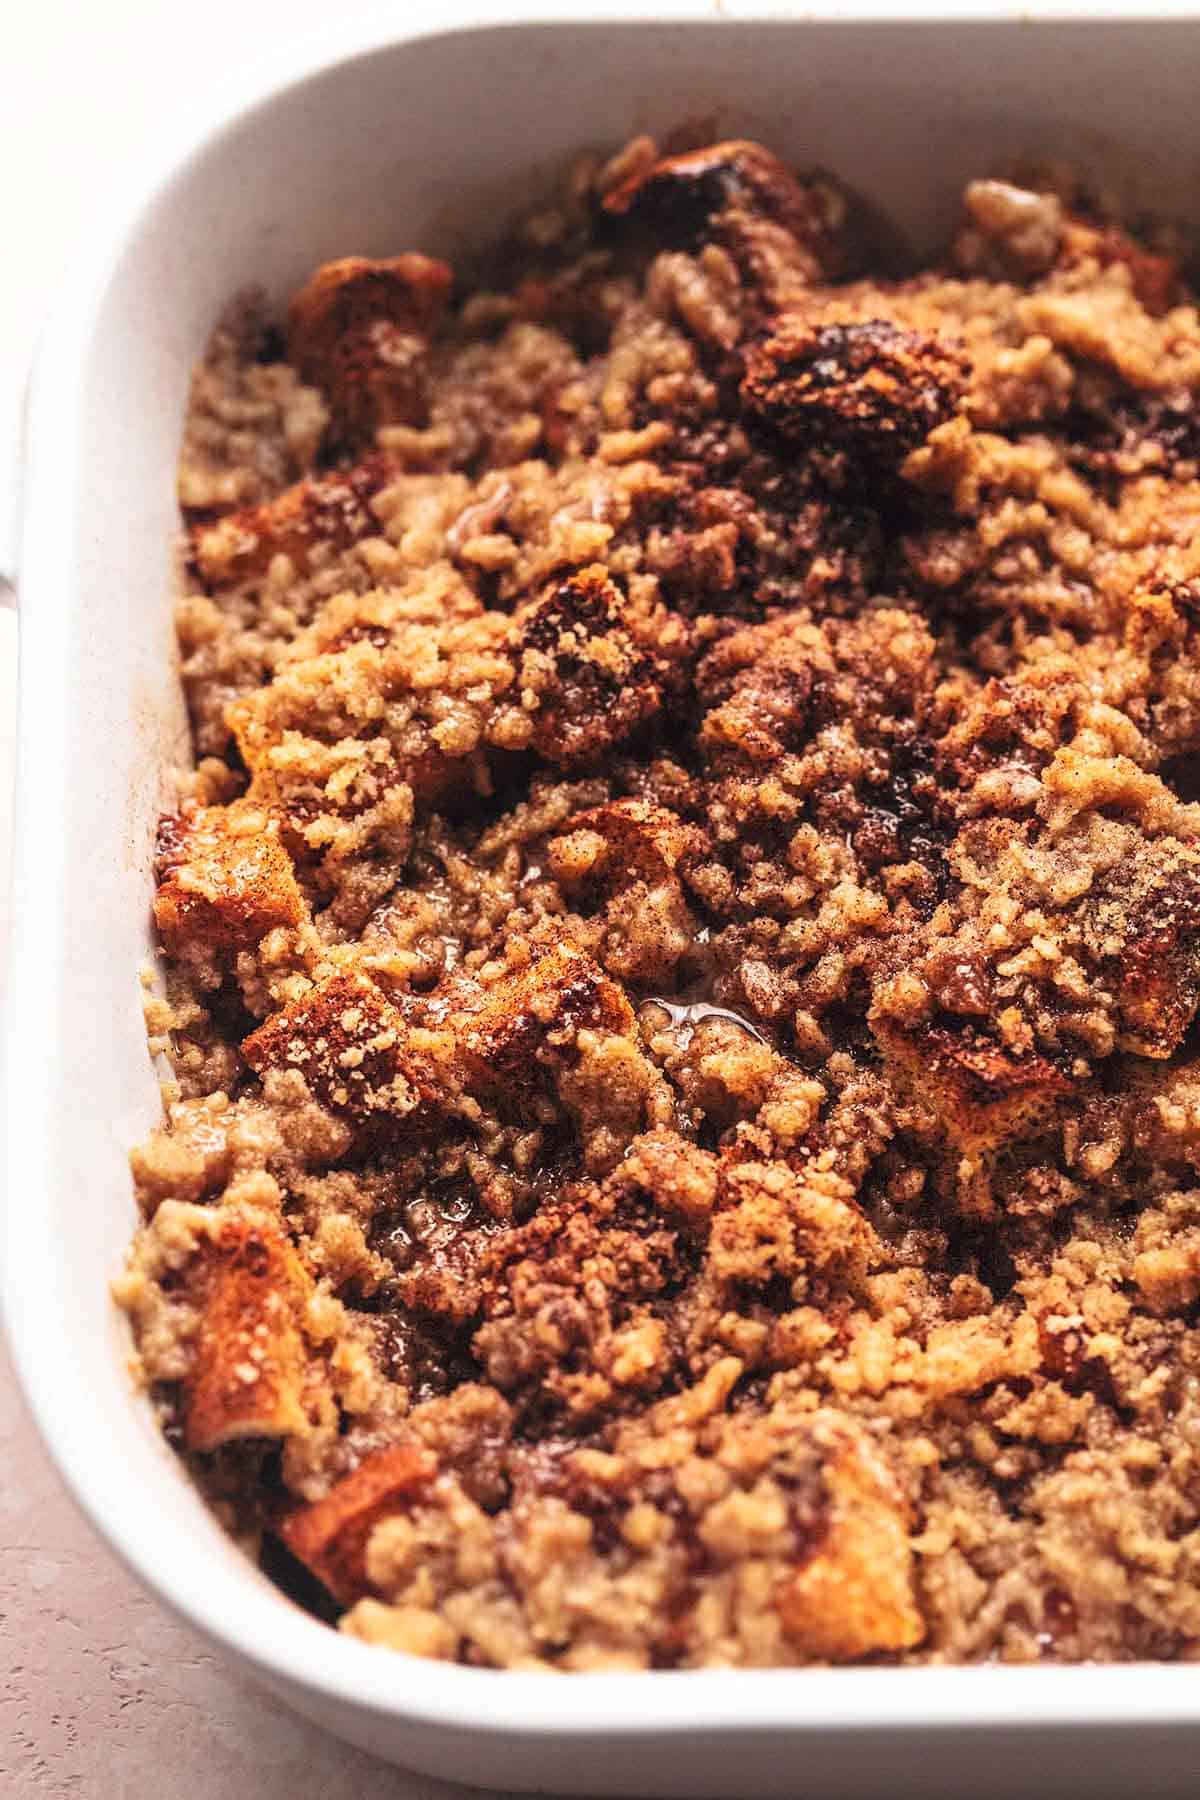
1022, 233
249, 1366
623, 841
981, 1095
352, 1047
330, 1537
595, 684
1142, 928
360, 331
357, 1054
854, 1596
225, 880
327, 511
777, 228
860, 388
533, 1017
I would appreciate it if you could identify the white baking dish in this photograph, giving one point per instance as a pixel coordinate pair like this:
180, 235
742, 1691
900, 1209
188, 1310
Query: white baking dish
425, 134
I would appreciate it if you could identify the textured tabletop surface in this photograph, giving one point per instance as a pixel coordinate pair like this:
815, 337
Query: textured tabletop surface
102, 1695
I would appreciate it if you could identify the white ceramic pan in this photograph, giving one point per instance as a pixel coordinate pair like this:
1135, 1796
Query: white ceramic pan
423, 129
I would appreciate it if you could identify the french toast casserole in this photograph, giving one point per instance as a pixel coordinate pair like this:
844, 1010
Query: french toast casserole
681, 941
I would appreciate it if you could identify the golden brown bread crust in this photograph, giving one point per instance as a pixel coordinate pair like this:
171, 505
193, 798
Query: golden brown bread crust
864, 390
359, 330
350, 1045
681, 947
779, 230
328, 511
981, 1095
332, 1534
249, 1364
224, 879
595, 685
625, 839
540, 1009
853, 1596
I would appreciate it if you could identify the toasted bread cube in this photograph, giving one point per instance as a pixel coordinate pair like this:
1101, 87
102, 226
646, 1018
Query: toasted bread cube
1010, 232
864, 388
628, 852
1157, 992
527, 1017
1153, 276
1162, 626
1141, 925
562, 1028
332, 511
359, 330
1017, 233
854, 1595
225, 880
350, 1044
594, 684
623, 841
410, 290
330, 1537
248, 1369
780, 231
982, 1096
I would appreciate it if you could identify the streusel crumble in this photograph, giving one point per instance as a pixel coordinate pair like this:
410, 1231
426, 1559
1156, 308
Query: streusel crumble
682, 940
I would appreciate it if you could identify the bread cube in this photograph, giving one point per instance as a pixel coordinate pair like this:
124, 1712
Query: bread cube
352, 1047
330, 511
360, 331
224, 879
854, 1595
330, 1537
248, 1367
595, 685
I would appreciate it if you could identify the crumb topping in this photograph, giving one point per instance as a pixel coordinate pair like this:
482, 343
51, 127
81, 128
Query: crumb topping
682, 943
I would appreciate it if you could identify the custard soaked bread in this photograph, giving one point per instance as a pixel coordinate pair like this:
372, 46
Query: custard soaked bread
683, 940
